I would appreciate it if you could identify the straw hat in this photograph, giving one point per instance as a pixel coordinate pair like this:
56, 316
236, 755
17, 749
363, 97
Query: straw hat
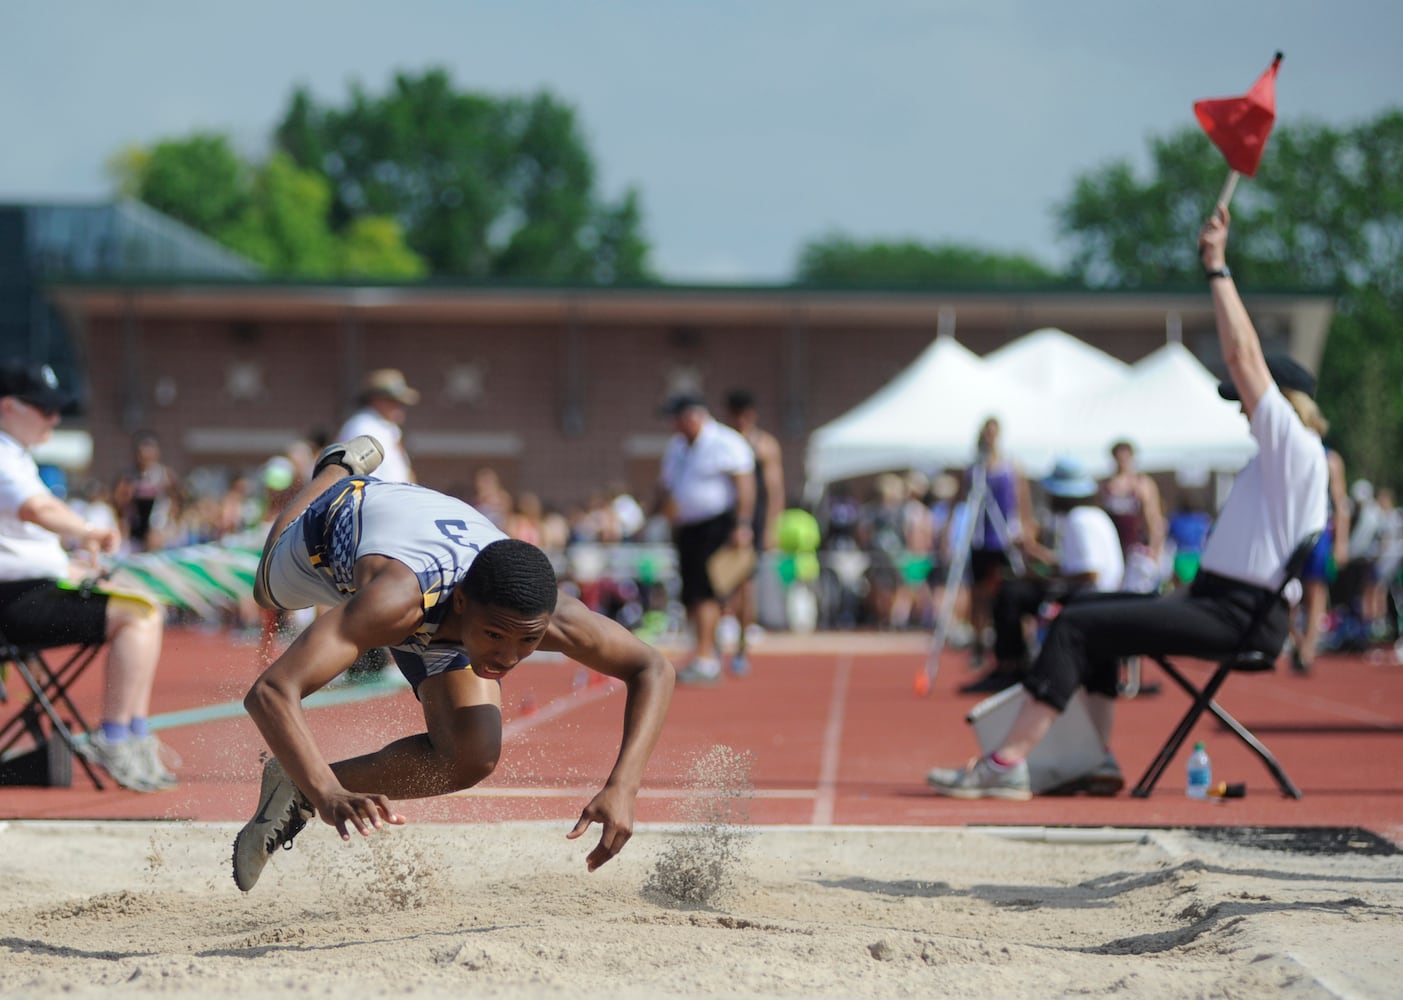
390, 384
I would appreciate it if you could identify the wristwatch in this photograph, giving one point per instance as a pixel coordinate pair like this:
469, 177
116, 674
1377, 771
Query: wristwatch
1217, 272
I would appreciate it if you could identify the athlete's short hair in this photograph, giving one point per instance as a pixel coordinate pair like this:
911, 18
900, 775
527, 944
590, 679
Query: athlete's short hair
513, 575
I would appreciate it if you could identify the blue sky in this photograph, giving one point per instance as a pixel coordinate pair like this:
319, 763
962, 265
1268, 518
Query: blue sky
748, 127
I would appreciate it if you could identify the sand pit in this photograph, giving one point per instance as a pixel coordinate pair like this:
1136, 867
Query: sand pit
508, 910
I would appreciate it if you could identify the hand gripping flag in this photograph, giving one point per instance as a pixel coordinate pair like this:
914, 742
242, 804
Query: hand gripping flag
1239, 126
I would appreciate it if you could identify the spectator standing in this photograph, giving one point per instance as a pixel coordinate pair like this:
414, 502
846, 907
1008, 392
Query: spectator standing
742, 416
384, 404
1331, 552
147, 496
37, 609
707, 484
992, 543
1132, 499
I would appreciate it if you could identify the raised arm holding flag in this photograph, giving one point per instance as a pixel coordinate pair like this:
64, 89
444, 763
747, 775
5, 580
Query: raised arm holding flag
1239, 126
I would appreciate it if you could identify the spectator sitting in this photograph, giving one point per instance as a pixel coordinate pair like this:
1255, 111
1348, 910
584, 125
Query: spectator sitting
1086, 558
1277, 501
36, 609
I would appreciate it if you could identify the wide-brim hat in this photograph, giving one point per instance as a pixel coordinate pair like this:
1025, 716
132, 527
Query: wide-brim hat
1286, 372
389, 383
1069, 480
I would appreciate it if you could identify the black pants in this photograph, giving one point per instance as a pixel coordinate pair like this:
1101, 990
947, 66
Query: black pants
696, 543
1015, 600
1212, 619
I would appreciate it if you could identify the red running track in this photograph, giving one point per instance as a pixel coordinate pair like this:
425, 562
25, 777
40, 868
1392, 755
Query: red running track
827, 730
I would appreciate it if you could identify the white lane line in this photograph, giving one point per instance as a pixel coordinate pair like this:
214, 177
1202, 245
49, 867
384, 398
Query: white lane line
703, 794
563, 705
832, 744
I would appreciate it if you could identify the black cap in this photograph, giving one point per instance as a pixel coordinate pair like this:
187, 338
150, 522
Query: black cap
739, 400
1285, 372
34, 384
682, 401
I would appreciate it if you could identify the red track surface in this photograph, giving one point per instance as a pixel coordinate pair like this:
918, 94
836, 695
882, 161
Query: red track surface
833, 732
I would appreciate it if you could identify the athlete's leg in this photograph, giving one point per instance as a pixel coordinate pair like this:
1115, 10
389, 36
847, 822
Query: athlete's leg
463, 715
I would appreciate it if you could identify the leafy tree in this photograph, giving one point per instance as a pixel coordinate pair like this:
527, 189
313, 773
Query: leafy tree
274, 213
198, 180
1325, 211
485, 188
837, 260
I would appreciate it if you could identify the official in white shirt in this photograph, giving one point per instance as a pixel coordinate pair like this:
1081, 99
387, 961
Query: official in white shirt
707, 485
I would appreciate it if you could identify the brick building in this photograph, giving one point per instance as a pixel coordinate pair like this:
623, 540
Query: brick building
558, 389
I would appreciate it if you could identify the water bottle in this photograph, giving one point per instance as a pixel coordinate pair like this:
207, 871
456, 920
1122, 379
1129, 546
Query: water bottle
1200, 773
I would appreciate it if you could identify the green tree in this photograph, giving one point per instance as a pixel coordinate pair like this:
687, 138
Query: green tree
198, 180
1325, 211
274, 213
838, 261
485, 187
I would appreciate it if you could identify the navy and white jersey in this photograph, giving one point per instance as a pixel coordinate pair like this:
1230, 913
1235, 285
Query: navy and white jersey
436, 536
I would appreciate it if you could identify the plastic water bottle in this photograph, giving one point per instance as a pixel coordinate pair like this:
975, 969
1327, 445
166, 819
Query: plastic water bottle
1200, 773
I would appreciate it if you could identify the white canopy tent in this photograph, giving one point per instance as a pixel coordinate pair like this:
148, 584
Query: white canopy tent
1056, 363
927, 417
1169, 408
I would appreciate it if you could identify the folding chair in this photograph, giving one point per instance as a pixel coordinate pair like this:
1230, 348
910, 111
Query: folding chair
1243, 660
50, 760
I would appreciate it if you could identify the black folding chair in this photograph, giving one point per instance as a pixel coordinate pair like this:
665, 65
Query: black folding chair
50, 760
1243, 660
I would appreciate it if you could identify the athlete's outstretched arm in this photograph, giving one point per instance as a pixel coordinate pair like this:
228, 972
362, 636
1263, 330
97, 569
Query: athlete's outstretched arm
606, 646
386, 607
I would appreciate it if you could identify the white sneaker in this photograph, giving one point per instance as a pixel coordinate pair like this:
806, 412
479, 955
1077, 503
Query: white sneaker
359, 456
981, 780
282, 813
149, 750
122, 759
703, 670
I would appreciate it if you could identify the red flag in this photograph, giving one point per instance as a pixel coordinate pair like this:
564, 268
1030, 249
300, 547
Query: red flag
1239, 126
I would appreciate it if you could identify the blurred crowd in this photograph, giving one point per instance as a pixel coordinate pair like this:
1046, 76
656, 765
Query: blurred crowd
884, 551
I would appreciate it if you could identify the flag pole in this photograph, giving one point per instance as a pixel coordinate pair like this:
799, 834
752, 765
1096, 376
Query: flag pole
1229, 187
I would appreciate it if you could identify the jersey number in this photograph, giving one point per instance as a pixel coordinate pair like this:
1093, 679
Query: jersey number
455, 531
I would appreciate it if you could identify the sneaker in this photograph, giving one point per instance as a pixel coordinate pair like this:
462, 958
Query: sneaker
981, 780
1104, 779
282, 813
740, 665
1299, 666
938, 777
122, 759
700, 671
149, 750
359, 456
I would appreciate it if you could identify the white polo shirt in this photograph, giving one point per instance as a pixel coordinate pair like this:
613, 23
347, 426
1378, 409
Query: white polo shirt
1275, 501
395, 467
698, 474
27, 551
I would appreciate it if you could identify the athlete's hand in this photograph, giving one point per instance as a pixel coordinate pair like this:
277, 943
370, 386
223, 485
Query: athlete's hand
366, 812
614, 809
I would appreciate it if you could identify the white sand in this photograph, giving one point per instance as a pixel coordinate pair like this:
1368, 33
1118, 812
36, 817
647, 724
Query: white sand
508, 910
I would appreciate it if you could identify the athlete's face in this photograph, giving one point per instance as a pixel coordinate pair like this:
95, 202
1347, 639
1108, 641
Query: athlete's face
496, 639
